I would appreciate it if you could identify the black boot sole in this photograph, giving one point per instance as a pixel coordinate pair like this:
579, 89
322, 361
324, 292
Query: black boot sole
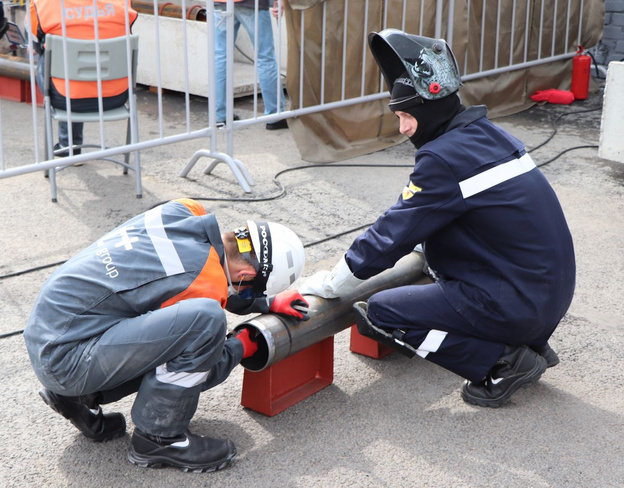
159, 463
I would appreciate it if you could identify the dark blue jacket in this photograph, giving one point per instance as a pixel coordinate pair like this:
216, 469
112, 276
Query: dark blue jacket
492, 227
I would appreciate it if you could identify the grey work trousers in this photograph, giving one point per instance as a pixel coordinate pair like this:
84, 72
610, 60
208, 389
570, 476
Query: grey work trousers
168, 356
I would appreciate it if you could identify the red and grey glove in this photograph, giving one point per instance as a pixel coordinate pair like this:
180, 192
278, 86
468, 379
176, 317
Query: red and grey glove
290, 302
249, 345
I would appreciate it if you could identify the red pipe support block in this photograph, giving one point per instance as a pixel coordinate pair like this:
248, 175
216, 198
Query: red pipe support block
18, 91
366, 346
289, 381
38, 95
13, 89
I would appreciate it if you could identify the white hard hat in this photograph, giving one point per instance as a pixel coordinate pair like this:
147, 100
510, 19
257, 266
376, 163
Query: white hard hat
280, 256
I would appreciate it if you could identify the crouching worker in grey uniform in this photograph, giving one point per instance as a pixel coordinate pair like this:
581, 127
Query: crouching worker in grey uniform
141, 311
492, 229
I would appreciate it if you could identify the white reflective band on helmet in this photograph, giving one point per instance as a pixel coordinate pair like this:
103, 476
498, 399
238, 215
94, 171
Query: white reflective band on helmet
162, 244
495, 176
432, 342
182, 379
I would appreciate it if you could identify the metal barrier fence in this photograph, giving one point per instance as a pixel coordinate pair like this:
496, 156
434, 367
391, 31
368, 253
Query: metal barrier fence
503, 45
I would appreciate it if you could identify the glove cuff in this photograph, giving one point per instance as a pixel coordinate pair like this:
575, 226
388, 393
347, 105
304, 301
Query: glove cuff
342, 279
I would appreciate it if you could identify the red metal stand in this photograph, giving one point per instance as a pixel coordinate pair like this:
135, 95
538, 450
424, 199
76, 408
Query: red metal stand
38, 95
18, 91
290, 381
366, 346
12, 89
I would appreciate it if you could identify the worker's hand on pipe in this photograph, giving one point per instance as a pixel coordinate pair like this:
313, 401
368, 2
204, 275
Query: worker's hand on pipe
290, 302
250, 346
338, 282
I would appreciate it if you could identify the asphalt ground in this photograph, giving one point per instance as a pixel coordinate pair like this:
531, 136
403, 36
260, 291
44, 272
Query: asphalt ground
393, 422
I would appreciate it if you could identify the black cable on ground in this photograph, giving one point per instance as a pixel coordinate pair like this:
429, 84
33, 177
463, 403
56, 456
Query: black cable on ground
282, 191
10, 334
554, 125
592, 146
30, 270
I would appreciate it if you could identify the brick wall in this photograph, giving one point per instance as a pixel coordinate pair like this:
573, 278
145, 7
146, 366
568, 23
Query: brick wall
611, 46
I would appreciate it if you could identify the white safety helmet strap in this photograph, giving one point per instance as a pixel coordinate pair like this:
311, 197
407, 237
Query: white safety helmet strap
280, 256
263, 245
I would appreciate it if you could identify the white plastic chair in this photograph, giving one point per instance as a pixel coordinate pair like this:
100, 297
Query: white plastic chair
113, 64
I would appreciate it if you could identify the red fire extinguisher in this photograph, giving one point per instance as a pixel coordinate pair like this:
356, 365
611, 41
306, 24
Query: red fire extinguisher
581, 66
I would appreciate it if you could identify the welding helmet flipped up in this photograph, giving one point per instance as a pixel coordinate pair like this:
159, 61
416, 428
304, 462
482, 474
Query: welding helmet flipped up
429, 63
279, 255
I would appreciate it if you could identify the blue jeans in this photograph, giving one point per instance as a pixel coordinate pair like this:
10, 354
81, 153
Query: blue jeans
266, 62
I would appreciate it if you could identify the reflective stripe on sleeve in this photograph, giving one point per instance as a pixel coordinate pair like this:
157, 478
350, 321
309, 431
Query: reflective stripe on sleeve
162, 244
494, 176
432, 342
182, 379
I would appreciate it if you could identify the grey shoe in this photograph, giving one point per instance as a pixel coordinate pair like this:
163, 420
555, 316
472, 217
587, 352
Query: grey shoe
518, 367
187, 452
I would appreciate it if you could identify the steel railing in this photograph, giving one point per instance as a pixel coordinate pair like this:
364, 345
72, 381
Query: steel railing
500, 38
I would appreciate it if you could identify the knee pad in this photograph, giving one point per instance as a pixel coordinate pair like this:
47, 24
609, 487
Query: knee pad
392, 340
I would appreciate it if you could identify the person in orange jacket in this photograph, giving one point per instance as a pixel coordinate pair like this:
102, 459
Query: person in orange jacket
141, 310
77, 21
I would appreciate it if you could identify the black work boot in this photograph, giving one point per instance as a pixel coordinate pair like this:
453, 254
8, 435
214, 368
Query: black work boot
548, 354
61, 151
187, 452
86, 415
392, 340
519, 366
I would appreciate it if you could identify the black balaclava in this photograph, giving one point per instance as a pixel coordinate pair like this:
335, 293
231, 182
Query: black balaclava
433, 116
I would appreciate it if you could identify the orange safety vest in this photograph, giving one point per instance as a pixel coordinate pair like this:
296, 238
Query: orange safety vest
211, 281
79, 24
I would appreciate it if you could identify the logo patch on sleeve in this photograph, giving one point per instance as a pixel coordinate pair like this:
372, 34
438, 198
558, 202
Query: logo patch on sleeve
409, 191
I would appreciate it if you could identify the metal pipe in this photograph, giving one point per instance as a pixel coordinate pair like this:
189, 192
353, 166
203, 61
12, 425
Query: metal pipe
167, 9
281, 336
14, 67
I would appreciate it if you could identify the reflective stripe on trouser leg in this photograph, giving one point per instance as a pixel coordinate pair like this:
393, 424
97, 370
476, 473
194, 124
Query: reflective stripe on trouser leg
433, 327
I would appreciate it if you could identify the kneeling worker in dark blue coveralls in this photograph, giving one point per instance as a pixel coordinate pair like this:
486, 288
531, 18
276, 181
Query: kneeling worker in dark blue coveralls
141, 311
493, 233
